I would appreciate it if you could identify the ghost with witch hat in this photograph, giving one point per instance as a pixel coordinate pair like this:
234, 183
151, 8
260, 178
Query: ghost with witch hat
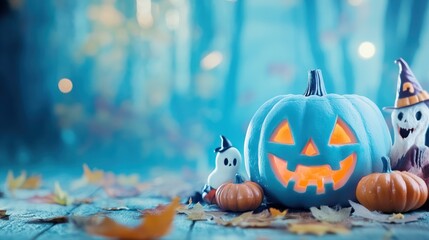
228, 160
410, 121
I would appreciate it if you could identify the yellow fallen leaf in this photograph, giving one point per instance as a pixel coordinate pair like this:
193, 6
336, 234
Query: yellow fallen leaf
15, 183
277, 213
317, 228
154, 225
396, 216
22, 182
93, 177
195, 213
132, 179
60, 196
248, 219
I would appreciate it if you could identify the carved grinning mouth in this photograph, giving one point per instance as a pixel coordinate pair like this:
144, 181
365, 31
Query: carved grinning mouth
405, 132
318, 176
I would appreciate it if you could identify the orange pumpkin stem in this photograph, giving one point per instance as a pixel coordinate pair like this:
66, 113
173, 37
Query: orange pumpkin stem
387, 168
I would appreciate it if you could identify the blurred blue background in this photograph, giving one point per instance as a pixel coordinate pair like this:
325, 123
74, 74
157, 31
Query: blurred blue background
142, 84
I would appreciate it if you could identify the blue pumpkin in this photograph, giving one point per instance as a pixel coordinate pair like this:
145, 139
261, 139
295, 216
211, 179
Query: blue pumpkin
312, 149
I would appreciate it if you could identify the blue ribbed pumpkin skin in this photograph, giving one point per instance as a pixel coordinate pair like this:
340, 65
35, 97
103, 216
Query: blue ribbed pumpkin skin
314, 117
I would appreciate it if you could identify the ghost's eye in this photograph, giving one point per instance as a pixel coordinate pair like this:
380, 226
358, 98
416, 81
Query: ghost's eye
225, 161
418, 115
234, 161
400, 116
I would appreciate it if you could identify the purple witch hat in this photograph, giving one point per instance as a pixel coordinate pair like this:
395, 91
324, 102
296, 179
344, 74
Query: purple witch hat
409, 90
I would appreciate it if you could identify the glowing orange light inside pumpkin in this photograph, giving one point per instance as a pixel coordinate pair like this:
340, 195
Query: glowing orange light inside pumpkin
318, 176
341, 134
282, 134
310, 149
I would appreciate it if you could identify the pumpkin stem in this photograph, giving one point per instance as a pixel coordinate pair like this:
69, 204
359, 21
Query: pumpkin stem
387, 168
238, 178
315, 86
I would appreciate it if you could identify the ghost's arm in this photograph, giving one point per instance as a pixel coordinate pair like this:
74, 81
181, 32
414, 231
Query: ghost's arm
414, 157
403, 164
425, 163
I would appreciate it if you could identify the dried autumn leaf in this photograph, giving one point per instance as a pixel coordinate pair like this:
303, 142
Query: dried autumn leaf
80, 201
60, 196
121, 208
59, 219
22, 182
317, 228
32, 182
13, 183
277, 213
248, 219
153, 226
331, 215
42, 199
195, 213
361, 211
121, 191
156, 210
4, 215
93, 177
132, 179
396, 216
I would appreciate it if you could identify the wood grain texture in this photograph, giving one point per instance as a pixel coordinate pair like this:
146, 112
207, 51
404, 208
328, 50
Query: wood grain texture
21, 211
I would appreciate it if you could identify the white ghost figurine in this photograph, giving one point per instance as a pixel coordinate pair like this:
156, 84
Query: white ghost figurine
228, 160
410, 122
410, 125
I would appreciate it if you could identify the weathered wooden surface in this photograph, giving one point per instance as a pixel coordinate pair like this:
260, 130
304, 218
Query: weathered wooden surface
21, 211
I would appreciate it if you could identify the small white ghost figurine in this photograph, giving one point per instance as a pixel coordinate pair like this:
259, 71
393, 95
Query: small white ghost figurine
410, 122
228, 160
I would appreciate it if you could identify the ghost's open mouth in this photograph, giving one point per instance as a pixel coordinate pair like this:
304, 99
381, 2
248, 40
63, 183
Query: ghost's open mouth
405, 132
317, 176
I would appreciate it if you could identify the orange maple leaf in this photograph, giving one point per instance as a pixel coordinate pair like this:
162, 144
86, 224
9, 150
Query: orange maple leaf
154, 225
94, 177
277, 213
32, 182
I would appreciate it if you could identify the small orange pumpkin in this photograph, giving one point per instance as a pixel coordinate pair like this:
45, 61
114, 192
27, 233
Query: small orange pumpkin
239, 196
391, 191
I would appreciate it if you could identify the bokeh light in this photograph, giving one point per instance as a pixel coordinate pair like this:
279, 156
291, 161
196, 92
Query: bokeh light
144, 13
366, 50
65, 85
211, 60
172, 19
355, 2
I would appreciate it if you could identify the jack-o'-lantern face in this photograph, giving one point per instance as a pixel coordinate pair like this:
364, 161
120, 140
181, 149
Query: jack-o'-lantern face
318, 175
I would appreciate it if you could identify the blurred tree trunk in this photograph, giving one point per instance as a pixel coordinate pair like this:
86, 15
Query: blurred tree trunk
313, 34
344, 38
415, 26
396, 46
38, 79
230, 89
202, 34
11, 105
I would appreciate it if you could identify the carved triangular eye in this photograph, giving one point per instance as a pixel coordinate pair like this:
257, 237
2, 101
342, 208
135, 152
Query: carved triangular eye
341, 134
282, 134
